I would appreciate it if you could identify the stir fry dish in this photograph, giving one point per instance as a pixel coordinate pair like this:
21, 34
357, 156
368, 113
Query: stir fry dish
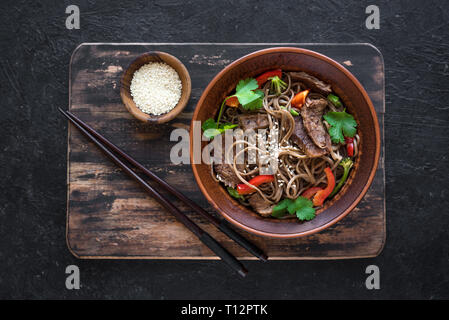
301, 150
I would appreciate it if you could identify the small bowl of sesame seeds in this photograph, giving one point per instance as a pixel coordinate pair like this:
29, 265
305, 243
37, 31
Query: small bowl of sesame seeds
155, 87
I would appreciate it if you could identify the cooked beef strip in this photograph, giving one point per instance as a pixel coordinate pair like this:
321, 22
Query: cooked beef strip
312, 115
253, 121
224, 170
226, 175
259, 205
312, 82
302, 140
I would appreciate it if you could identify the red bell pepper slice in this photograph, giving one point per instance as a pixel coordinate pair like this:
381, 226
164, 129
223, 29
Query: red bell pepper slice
264, 76
309, 193
256, 181
320, 196
349, 146
299, 99
232, 102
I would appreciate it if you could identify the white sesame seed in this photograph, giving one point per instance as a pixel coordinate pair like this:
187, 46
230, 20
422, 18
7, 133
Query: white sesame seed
156, 88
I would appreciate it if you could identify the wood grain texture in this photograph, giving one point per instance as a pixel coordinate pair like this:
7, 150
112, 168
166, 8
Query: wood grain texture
108, 214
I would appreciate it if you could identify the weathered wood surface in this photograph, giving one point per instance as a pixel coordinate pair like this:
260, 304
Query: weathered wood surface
108, 214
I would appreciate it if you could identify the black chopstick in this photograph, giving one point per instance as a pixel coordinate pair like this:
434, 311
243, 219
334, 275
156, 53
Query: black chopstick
221, 224
195, 229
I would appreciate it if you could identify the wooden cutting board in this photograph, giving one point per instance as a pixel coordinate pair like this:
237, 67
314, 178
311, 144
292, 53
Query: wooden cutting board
108, 214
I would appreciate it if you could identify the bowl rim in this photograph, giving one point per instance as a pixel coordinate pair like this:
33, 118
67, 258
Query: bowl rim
373, 114
185, 89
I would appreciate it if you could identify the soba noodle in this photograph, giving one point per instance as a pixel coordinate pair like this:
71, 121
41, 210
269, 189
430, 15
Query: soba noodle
296, 171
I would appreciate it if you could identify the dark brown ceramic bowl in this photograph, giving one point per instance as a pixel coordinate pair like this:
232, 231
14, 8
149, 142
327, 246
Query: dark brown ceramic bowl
155, 56
355, 99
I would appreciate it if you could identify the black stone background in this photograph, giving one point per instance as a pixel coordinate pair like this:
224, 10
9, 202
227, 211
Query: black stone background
34, 63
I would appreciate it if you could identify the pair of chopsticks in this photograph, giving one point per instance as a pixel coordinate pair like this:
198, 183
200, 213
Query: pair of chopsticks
109, 148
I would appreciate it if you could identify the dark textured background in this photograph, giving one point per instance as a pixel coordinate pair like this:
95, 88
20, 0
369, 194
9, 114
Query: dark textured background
35, 49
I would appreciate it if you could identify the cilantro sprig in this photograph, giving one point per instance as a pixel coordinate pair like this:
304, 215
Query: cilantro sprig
302, 207
248, 95
212, 129
342, 125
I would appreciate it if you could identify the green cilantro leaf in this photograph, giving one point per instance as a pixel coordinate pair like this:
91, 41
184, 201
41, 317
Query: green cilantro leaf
248, 96
306, 213
208, 124
253, 101
249, 99
280, 209
302, 207
247, 85
211, 130
342, 125
299, 203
